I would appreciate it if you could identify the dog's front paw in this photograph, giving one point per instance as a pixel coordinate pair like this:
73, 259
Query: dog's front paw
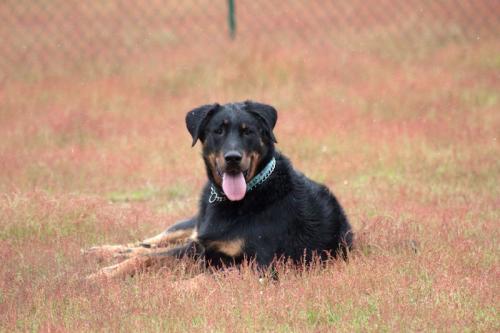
123, 269
108, 252
103, 274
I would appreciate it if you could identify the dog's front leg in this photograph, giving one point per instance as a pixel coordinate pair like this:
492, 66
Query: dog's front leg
108, 252
153, 258
176, 234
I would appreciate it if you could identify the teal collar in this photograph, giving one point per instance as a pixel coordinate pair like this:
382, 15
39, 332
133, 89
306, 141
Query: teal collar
262, 176
254, 182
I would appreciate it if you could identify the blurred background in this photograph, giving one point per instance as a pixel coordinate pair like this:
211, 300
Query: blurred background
54, 37
95, 93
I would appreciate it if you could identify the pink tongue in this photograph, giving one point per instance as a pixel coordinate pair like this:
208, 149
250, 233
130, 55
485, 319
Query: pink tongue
234, 186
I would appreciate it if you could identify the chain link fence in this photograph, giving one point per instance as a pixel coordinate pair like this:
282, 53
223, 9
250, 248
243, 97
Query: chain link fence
68, 33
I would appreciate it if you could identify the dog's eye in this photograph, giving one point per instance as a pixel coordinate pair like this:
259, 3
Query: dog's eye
247, 131
219, 131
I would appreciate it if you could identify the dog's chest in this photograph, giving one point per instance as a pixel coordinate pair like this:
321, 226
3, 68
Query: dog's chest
236, 233
221, 234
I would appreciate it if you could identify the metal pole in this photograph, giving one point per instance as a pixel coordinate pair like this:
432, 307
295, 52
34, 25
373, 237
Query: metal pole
231, 18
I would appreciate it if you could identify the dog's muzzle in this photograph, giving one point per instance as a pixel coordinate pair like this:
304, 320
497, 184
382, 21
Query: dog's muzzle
233, 177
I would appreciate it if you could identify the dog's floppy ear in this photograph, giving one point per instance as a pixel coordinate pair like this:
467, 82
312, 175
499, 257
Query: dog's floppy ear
266, 113
196, 120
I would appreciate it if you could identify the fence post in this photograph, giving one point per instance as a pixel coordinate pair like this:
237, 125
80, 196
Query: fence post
231, 18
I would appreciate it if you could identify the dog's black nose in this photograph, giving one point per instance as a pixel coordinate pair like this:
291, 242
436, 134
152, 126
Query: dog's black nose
232, 156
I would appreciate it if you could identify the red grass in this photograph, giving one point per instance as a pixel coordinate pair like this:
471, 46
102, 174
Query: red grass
409, 145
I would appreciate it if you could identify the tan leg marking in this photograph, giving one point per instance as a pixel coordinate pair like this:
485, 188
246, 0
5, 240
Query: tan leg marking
108, 252
194, 235
132, 266
166, 238
126, 268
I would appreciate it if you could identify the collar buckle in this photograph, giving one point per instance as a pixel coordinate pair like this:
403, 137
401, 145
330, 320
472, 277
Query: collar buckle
214, 196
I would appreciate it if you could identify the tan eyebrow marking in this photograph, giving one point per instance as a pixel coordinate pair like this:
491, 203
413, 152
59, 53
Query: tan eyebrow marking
226, 121
243, 126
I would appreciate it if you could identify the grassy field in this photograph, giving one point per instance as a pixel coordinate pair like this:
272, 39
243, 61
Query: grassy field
408, 141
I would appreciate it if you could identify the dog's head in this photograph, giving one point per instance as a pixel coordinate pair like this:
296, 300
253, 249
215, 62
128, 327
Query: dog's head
237, 140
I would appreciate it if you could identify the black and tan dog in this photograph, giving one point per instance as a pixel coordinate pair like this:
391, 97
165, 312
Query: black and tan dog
254, 205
